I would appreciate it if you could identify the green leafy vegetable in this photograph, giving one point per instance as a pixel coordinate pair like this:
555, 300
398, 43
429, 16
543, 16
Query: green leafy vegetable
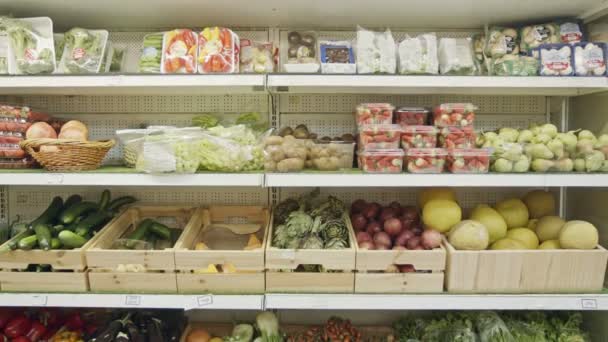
85, 51
31, 57
205, 121
151, 53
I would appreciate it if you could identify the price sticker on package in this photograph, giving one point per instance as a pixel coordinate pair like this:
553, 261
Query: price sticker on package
132, 300
202, 301
589, 304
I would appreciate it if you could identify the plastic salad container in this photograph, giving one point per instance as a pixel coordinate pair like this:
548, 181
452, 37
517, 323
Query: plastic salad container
425, 160
415, 116
374, 113
372, 137
454, 114
468, 160
457, 137
381, 161
419, 137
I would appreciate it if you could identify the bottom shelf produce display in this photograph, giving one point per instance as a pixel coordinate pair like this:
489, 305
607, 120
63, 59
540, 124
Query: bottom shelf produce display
94, 325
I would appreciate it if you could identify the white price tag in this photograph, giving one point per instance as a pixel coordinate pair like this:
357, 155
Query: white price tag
56, 178
132, 300
589, 304
202, 301
39, 300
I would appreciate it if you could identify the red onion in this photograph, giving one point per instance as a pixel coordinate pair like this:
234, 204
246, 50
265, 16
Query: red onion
392, 227
382, 239
417, 230
373, 227
359, 221
367, 245
386, 214
357, 206
371, 210
396, 207
405, 235
407, 223
363, 236
409, 268
382, 247
413, 242
431, 239
410, 212
419, 247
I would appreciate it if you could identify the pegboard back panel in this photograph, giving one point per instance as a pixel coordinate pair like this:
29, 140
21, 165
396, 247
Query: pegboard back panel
346, 103
3, 205
29, 201
468, 198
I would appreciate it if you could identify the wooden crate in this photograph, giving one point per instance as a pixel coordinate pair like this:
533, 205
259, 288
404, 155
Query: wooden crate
249, 263
159, 265
12, 281
525, 271
342, 260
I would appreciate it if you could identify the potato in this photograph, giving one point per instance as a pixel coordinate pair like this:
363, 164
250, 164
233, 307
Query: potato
290, 164
273, 140
270, 165
298, 152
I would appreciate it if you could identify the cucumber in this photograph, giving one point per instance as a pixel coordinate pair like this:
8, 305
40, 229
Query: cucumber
55, 243
56, 229
43, 235
17, 228
28, 243
71, 240
139, 233
160, 230
104, 200
50, 213
92, 221
70, 214
72, 200
13, 243
116, 204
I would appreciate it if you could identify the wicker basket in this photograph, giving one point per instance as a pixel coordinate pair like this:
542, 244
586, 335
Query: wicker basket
69, 155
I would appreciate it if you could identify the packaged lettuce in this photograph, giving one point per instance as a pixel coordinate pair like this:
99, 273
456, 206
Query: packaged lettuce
151, 53
31, 49
84, 51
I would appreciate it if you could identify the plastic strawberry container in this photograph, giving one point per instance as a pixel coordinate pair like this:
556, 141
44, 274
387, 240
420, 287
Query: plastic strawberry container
469, 160
419, 137
373, 137
425, 160
381, 161
454, 114
412, 116
457, 137
374, 113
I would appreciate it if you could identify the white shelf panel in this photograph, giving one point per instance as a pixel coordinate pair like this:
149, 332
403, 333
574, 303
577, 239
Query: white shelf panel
436, 302
427, 180
470, 85
131, 84
134, 179
186, 302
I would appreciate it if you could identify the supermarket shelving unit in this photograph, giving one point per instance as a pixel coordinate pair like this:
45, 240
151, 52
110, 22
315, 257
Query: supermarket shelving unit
324, 102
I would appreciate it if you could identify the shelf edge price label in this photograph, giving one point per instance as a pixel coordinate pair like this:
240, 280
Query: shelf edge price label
202, 301
589, 303
132, 300
55, 179
39, 300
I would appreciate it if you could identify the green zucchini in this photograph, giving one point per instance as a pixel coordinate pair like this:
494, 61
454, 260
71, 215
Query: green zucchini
72, 200
71, 240
55, 243
104, 200
28, 243
56, 229
160, 230
13, 243
138, 233
117, 203
43, 235
50, 213
70, 214
91, 222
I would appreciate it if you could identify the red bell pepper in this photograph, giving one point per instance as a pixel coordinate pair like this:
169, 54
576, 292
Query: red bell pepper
3, 338
50, 317
50, 332
74, 321
36, 331
5, 316
18, 326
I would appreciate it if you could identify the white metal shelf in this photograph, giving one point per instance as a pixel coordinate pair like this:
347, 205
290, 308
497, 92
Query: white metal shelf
470, 85
92, 300
132, 84
305, 179
435, 302
313, 301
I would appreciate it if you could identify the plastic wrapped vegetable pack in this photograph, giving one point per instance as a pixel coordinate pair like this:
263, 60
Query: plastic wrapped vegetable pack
514, 65
301, 54
418, 55
179, 52
257, 57
3, 46
570, 31
456, 57
375, 52
84, 51
218, 51
337, 57
479, 45
151, 53
501, 41
533, 36
31, 49
590, 59
556, 60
